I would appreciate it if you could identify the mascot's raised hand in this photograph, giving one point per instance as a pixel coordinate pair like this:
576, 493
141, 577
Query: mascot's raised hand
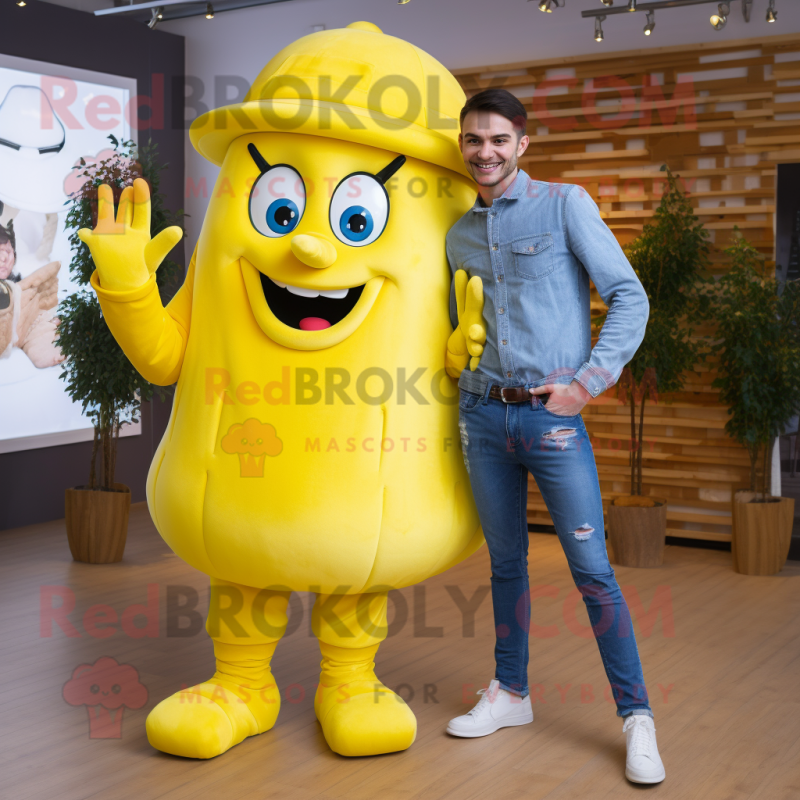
465, 345
121, 247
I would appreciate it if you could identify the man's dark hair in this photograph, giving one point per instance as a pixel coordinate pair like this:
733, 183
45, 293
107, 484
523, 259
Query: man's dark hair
501, 102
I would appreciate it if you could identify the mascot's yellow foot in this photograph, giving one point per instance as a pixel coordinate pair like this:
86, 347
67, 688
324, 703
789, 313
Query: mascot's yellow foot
358, 714
204, 721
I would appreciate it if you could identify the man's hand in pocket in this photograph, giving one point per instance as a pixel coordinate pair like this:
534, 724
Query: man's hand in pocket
565, 400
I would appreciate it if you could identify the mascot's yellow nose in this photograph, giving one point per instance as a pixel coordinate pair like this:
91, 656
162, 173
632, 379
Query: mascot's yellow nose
314, 250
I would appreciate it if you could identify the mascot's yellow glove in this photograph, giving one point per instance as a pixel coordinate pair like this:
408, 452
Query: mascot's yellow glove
121, 248
152, 337
465, 344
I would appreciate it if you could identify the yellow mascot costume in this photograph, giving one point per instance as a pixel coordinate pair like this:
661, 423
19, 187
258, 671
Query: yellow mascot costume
313, 440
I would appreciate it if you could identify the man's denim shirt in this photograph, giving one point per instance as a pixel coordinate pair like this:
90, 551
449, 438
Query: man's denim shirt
535, 249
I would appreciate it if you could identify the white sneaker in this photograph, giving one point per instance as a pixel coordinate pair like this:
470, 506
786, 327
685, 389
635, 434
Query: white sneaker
496, 709
643, 764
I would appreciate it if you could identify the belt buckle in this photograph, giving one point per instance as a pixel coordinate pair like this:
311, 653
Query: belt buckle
503, 394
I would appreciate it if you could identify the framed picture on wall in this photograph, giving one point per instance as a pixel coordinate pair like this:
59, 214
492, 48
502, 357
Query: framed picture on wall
51, 116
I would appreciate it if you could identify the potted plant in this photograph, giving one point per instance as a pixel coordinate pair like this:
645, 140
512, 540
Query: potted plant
671, 259
759, 380
97, 372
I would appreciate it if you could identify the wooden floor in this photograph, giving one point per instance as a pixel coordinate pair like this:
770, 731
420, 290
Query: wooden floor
721, 661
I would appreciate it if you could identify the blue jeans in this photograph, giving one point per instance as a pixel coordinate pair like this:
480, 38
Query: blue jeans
501, 444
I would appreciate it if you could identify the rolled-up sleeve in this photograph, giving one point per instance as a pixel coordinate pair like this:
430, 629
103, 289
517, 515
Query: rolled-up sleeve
593, 243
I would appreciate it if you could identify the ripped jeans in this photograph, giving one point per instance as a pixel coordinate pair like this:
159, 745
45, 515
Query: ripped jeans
501, 444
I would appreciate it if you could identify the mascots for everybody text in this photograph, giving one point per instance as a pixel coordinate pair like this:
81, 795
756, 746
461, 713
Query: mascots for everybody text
313, 441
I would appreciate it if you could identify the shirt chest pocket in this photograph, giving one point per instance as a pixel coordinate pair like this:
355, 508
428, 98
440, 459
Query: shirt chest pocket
534, 256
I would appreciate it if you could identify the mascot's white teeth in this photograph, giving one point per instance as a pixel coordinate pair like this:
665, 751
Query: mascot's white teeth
335, 294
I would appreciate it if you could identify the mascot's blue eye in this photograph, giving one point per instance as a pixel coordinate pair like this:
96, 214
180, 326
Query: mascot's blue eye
359, 210
356, 223
283, 215
277, 201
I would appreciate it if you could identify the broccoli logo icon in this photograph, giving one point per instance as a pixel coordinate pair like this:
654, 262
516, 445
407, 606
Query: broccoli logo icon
106, 688
252, 441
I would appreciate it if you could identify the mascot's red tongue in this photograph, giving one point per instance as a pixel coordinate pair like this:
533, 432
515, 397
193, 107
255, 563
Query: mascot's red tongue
313, 324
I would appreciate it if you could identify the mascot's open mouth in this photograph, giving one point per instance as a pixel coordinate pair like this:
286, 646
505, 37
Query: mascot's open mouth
309, 309
304, 318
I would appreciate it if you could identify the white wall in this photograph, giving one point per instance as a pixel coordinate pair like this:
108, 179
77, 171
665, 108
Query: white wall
460, 33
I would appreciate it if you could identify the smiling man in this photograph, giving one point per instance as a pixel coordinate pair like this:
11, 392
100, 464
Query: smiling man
530, 247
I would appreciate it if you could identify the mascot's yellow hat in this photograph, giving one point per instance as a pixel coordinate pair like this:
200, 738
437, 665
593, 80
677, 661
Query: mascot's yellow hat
354, 83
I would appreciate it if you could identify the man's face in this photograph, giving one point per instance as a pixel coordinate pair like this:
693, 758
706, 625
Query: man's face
490, 146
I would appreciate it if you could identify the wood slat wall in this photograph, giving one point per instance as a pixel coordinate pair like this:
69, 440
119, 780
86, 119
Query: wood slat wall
722, 115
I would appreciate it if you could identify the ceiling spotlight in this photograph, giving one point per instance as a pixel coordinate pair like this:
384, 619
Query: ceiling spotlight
546, 5
607, 3
21, 3
772, 14
598, 28
209, 11
157, 14
720, 19
651, 23
402, 2
631, 5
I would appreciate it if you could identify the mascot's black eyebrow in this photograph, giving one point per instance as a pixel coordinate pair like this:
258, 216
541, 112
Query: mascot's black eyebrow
381, 176
261, 162
390, 170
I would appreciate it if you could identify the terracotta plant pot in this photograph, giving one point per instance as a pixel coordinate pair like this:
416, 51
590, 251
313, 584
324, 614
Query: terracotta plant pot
97, 523
762, 533
637, 530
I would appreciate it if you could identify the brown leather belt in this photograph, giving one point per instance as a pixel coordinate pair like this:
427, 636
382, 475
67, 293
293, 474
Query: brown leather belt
510, 394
